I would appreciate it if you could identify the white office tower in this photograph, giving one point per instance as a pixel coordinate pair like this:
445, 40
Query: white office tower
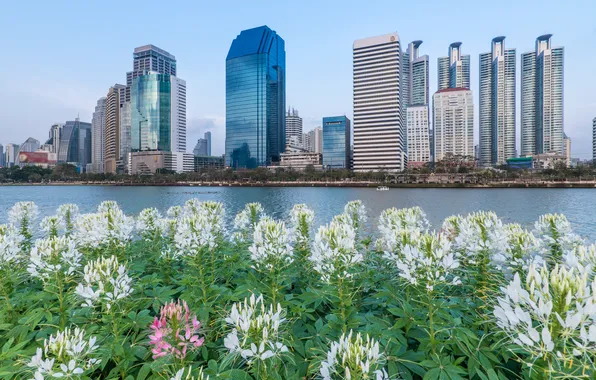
542, 99
293, 126
497, 104
178, 114
415, 97
98, 136
453, 123
379, 130
315, 139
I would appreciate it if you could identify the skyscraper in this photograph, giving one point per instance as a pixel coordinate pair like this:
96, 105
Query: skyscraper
336, 142
542, 98
54, 137
255, 99
158, 113
315, 138
149, 58
454, 71
112, 130
497, 104
208, 138
415, 97
75, 143
293, 125
594, 140
379, 130
567, 149
453, 122
98, 136
2, 164
10, 154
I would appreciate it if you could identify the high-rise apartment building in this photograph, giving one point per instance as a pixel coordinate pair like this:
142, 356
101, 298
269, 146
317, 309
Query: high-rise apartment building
315, 139
594, 140
255, 99
567, 149
115, 99
293, 126
497, 104
149, 58
415, 97
158, 113
203, 147
542, 99
207, 137
336, 142
10, 154
98, 125
2, 164
54, 137
454, 70
453, 111
379, 130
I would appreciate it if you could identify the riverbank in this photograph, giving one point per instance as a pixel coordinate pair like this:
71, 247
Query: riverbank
446, 185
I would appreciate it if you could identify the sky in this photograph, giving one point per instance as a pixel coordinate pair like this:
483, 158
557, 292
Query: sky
59, 57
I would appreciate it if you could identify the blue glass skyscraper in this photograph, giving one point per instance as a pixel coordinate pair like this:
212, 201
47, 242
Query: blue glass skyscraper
336, 142
255, 99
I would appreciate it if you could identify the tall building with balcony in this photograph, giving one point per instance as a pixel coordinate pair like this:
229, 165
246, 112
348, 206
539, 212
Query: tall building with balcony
542, 99
98, 127
255, 99
158, 113
113, 122
453, 112
415, 98
379, 120
336, 142
149, 58
293, 126
454, 70
497, 104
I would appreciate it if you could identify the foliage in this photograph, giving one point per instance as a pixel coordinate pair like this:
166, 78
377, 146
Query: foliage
108, 296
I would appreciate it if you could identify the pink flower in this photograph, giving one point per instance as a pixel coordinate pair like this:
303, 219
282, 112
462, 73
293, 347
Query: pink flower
167, 339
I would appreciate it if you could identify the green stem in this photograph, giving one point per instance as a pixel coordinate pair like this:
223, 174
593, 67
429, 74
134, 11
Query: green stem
431, 311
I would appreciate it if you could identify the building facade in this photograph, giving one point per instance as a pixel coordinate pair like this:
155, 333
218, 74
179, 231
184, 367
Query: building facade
10, 154
54, 137
453, 112
255, 99
207, 136
209, 162
416, 99
30, 145
293, 125
301, 160
379, 120
497, 104
149, 58
158, 113
149, 162
98, 136
2, 157
75, 144
453, 71
113, 121
542, 99
315, 139
203, 147
567, 149
336, 142
594, 140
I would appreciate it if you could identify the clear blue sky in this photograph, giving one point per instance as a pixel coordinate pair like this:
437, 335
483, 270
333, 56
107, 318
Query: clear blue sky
59, 57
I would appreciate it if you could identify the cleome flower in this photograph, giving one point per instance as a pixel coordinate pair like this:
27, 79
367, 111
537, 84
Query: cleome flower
23, 215
175, 331
481, 238
551, 315
108, 227
301, 223
51, 226
427, 261
555, 236
52, 256
256, 334
175, 211
451, 226
354, 358
334, 251
187, 374
246, 221
214, 211
521, 250
67, 354
271, 248
194, 233
357, 213
399, 227
10, 246
583, 259
149, 223
68, 214
105, 282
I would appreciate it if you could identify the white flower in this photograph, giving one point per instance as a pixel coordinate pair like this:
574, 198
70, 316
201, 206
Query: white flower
105, 281
50, 225
66, 354
357, 213
148, 223
555, 236
301, 223
583, 259
175, 211
354, 355
246, 220
522, 249
398, 228
67, 214
108, 227
23, 215
334, 252
186, 374
54, 255
271, 248
194, 233
481, 238
10, 246
255, 331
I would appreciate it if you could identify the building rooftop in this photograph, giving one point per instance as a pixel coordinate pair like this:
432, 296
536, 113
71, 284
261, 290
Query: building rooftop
452, 90
253, 41
144, 48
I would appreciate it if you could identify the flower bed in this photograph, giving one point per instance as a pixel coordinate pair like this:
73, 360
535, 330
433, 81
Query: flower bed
180, 296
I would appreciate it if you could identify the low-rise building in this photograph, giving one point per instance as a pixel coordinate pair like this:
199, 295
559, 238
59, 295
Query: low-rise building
148, 162
300, 160
208, 162
40, 158
548, 160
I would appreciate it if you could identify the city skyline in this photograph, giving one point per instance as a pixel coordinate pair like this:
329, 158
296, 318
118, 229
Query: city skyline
71, 91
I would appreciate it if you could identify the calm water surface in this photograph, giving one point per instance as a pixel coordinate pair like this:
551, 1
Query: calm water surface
512, 205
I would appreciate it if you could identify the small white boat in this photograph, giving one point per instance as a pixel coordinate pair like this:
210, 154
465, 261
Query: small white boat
382, 188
